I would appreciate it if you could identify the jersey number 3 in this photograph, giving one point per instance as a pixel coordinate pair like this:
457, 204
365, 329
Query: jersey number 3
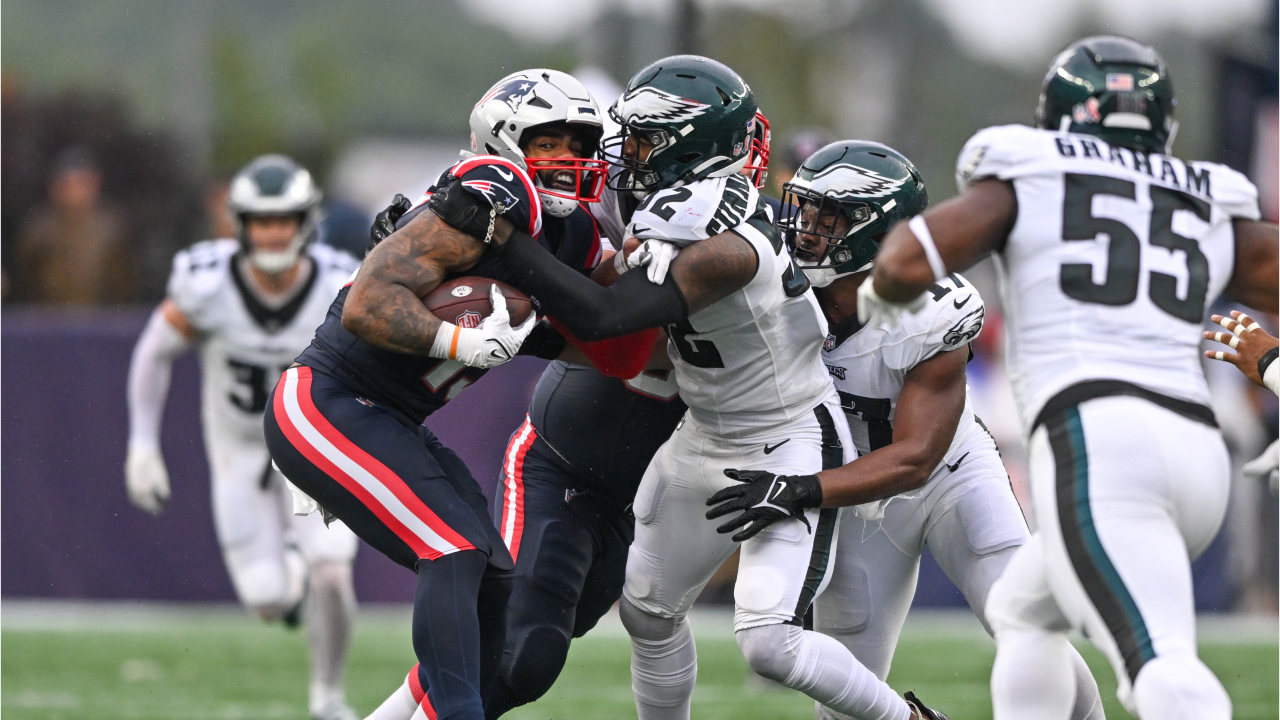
1124, 254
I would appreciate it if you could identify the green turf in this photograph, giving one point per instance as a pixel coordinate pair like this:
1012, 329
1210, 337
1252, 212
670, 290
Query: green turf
234, 669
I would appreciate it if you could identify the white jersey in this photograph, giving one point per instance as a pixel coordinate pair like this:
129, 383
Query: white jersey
870, 366
1112, 262
753, 359
244, 345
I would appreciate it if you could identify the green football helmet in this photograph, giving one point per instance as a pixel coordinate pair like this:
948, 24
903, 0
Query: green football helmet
842, 201
696, 113
1112, 87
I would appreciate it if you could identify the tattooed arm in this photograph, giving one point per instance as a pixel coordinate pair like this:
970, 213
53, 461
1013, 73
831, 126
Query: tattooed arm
384, 306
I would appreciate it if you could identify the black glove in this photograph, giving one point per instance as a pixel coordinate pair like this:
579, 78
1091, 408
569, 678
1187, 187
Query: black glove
464, 211
544, 342
384, 223
765, 499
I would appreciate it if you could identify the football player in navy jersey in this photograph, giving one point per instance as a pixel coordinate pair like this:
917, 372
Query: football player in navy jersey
345, 422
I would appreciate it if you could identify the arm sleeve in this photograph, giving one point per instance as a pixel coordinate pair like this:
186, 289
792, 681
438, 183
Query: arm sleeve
149, 371
589, 311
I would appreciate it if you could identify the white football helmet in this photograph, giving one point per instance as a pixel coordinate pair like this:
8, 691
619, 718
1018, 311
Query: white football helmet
523, 101
275, 185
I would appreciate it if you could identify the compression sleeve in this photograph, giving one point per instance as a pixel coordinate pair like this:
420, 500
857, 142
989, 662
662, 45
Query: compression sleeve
622, 357
589, 311
149, 371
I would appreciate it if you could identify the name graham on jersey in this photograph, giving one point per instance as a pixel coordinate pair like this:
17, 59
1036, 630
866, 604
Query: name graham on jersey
1171, 170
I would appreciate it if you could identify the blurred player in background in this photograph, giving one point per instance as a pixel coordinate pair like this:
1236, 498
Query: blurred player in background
251, 304
928, 472
1129, 473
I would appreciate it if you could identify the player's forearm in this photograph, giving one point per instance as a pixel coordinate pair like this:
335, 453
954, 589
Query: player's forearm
384, 305
956, 234
149, 374
390, 316
589, 311
883, 473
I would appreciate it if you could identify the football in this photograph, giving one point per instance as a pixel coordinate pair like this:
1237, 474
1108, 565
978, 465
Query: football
464, 301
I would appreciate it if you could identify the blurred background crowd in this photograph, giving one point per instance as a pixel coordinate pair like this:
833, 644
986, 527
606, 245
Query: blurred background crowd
122, 122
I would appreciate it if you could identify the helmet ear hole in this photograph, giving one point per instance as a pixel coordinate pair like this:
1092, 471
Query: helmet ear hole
688, 157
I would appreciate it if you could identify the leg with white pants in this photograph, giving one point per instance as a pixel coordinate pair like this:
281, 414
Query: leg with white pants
1126, 493
677, 549
277, 560
968, 517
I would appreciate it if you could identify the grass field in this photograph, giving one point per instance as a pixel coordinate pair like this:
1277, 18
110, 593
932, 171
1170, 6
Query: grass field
102, 662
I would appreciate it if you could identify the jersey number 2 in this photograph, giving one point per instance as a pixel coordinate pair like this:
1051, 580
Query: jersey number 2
1124, 254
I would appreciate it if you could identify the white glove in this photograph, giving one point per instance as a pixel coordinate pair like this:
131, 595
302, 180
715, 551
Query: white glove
655, 254
489, 345
146, 479
1266, 465
875, 311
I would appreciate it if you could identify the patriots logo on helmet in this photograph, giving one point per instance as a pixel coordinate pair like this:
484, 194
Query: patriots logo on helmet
495, 193
967, 328
855, 181
651, 105
513, 93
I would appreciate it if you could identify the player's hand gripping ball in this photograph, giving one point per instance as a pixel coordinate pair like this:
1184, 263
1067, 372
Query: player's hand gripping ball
492, 319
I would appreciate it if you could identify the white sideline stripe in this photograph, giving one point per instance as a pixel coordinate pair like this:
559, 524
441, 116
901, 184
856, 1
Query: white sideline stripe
509, 527
366, 480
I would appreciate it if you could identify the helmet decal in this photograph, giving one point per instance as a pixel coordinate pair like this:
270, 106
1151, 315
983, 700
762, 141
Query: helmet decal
649, 104
849, 180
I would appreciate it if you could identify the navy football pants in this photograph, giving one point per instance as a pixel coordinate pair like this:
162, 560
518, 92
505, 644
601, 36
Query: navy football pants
397, 487
570, 549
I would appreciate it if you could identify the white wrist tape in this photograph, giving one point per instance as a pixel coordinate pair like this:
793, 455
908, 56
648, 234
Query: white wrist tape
1271, 378
457, 343
925, 238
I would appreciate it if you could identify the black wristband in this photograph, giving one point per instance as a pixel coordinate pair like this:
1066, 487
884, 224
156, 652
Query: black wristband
1265, 361
543, 342
811, 490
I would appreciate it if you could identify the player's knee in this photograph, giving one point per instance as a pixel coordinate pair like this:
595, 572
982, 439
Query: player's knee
1180, 687
538, 657
329, 575
644, 626
772, 650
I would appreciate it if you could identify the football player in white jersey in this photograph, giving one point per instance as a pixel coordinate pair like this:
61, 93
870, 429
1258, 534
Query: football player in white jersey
1111, 249
745, 339
927, 472
250, 305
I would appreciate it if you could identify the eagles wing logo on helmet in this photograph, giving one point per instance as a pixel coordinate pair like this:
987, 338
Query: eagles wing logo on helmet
649, 104
858, 182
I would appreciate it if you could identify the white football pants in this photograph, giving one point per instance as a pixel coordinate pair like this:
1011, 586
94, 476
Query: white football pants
1126, 493
968, 517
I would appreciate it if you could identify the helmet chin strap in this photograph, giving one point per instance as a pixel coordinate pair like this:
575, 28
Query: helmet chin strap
824, 276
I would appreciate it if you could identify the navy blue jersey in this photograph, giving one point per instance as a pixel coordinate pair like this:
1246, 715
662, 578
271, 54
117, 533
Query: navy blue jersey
605, 429
416, 385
